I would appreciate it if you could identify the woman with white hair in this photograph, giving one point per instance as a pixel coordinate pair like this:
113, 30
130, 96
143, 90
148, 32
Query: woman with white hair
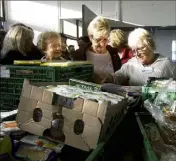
18, 45
103, 56
145, 64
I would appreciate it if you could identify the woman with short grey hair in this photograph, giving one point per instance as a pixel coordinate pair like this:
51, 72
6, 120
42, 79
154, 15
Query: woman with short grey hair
17, 45
145, 63
50, 43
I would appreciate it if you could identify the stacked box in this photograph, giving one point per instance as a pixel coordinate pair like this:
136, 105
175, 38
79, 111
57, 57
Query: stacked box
12, 77
79, 122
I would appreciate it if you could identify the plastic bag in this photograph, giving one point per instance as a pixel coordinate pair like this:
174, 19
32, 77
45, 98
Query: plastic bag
155, 111
168, 157
163, 110
166, 98
164, 103
157, 142
166, 122
168, 130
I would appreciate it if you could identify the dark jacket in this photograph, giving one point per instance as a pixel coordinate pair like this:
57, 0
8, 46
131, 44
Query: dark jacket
80, 55
8, 58
66, 55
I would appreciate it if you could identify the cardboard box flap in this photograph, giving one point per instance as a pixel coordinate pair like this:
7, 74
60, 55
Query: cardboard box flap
46, 123
23, 117
102, 109
26, 104
73, 120
75, 140
50, 108
36, 93
71, 115
92, 130
78, 104
26, 91
47, 97
33, 128
90, 107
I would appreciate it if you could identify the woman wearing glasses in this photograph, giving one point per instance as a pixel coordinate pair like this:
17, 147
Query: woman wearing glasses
145, 62
103, 57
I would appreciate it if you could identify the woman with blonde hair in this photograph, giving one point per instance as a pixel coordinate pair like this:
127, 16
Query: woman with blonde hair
145, 63
103, 56
17, 45
118, 39
50, 43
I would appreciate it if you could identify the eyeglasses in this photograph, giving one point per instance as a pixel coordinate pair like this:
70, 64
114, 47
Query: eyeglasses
139, 51
54, 45
100, 40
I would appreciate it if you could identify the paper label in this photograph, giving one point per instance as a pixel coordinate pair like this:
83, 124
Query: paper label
4, 72
64, 101
147, 70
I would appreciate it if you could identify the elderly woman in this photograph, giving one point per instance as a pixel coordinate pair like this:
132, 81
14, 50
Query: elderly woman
50, 43
17, 45
103, 57
145, 64
35, 52
118, 39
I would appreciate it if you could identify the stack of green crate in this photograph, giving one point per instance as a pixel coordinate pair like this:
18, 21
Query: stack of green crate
12, 77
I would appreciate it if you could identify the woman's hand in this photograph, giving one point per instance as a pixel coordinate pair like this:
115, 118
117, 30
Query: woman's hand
108, 79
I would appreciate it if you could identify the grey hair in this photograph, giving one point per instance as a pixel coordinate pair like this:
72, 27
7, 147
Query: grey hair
141, 37
18, 38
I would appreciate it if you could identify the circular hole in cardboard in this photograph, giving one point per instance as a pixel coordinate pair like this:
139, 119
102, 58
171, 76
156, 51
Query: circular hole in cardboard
78, 127
37, 114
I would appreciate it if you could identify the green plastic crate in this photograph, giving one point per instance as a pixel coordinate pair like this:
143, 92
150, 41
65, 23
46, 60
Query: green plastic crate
9, 102
47, 74
12, 77
144, 118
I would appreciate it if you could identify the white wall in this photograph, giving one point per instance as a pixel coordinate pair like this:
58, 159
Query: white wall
110, 9
44, 15
48, 12
73, 9
163, 39
152, 13
40, 15
143, 12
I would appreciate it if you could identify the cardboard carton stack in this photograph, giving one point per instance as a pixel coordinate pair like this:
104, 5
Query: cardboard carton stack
76, 121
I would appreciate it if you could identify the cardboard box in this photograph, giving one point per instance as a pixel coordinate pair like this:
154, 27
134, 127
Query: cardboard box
80, 123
